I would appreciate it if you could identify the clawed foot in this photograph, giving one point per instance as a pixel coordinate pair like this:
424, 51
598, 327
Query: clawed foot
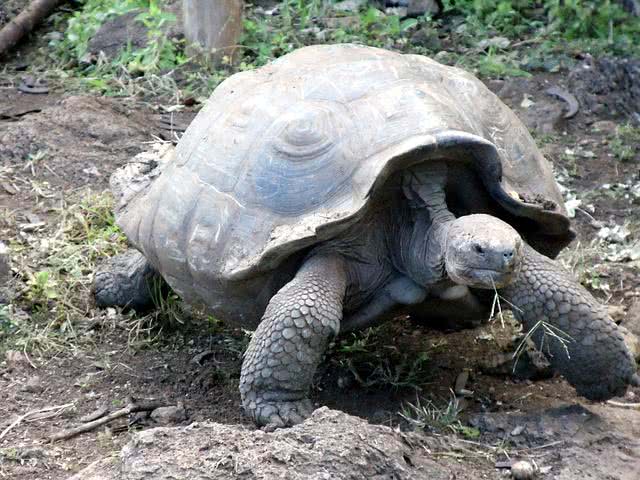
274, 415
601, 391
123, 281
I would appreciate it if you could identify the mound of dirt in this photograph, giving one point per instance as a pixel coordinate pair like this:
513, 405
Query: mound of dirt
329, 445
571, 441
608, 86
78, 140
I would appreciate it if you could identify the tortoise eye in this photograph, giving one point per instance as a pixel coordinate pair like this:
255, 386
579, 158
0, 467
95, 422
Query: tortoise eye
305, 137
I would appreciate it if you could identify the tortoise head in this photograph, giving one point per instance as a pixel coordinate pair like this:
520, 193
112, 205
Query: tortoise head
482, 251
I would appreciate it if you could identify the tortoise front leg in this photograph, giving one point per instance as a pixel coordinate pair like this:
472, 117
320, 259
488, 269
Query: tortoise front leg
593, 357
287, 346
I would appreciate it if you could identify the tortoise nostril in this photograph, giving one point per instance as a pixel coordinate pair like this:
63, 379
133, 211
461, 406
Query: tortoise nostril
508, 256
478, 249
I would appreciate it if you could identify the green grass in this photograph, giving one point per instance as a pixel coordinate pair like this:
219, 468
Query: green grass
56, 275
427, 415
625, 145
376, 358
492, 39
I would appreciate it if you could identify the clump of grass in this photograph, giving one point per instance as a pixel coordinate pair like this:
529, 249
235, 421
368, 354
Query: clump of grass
57, 272
133, 69
427, 416
375, 362
625, 144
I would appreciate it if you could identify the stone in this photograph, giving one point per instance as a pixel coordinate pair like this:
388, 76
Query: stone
349, 5
631, 320
329, 444
415, 8
522, 470
169, 415
33, 385
632, 341
616, 312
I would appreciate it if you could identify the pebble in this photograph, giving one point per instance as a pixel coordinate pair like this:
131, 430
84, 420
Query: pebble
522, 470
169, 415
33, 385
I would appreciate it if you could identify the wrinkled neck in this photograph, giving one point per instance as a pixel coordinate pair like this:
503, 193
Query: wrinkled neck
418, 243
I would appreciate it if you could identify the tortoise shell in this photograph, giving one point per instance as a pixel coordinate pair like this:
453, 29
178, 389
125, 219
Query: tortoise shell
289, 155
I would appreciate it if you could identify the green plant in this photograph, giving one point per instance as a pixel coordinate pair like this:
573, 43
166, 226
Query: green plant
6, 324
160, 53
625, 144
607, 21
427, 416
375, 361
83, 24
61, 282
42, 287
116, 76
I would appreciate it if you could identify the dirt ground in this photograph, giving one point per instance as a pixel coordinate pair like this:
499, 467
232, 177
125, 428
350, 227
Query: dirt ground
84, 138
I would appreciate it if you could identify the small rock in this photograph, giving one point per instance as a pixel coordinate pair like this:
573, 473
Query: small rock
632, 320
544, 116
15, 358
349, 5
169, 415
351, 21
517, 431
415, 8
461, 383
632, 341
616, 312
606, 126
33, 385
427, 38
522, 470
500, 42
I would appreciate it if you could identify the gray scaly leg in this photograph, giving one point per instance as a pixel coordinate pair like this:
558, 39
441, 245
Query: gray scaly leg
598, 363
125, 281
288, 344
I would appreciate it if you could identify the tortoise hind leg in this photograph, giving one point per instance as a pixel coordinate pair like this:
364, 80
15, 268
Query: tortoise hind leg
125, 280
287, 346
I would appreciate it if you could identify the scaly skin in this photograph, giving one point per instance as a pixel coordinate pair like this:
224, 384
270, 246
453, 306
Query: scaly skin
599, 364
124, 281
288, 344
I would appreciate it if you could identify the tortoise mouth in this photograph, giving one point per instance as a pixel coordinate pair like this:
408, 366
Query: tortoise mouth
480, 277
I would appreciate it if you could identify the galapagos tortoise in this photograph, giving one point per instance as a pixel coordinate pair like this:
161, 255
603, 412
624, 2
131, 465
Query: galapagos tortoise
338, 185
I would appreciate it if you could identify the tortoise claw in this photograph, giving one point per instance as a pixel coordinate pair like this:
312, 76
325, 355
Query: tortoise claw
273, 415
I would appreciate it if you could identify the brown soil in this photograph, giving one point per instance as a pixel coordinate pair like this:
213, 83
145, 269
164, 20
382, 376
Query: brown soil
83, 139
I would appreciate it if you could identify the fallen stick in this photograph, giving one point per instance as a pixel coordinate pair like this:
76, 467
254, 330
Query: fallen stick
131, 408
21, 419
630, 406
25, 22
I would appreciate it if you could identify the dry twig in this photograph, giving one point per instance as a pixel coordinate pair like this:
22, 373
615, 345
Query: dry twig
25, 417
131, 408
